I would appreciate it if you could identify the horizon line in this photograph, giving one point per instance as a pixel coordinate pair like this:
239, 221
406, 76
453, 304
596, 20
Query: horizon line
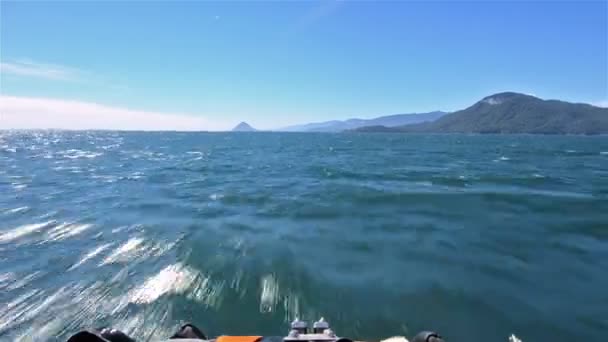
25, 113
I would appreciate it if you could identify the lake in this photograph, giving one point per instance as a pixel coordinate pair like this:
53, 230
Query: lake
475, 236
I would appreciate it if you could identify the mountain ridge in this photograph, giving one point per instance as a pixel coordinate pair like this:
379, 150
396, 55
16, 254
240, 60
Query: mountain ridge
512, 113
386, 120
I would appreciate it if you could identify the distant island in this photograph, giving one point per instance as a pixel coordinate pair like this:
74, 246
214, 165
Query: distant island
342, 125
243, 127
502, 113
512, 113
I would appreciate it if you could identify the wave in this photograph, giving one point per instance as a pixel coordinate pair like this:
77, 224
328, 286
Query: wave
137, 248
77, 154
90, 255
128, 251
173, 279
17, 210
23, 231
66, 230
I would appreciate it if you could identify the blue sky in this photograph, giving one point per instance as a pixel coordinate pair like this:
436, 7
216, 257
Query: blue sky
276, 63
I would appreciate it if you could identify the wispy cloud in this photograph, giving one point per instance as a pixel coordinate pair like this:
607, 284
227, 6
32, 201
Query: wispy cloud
36, 71
42, 113
28, 68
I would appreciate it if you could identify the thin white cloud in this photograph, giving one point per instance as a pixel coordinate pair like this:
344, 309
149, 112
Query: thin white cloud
28, 68
603, 104
44, 113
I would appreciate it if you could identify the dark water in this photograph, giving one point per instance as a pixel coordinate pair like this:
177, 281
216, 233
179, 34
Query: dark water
478, 237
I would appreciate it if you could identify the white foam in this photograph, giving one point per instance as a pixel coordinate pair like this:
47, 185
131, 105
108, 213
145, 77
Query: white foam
111, 146
22, 231
106, 178
119, 229
76, 154
173, 279
604, 153
18, 186
91, 254
17, 210
9, 149
514, 338
66, 230
126, 252
71, 169
270, 293
215, 197
395, 339
135, 175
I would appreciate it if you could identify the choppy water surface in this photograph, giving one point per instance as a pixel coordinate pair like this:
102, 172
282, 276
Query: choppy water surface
477, 237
